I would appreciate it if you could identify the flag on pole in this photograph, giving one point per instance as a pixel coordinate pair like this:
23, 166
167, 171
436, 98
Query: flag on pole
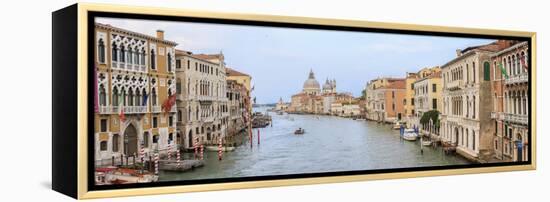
145, 99
168, 103
121, 107
503, 70
523, 63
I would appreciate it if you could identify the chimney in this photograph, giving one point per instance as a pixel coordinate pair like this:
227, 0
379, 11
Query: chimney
458, 52
160, 34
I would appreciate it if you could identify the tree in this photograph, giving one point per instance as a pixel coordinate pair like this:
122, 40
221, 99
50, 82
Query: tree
432, 115
364, 94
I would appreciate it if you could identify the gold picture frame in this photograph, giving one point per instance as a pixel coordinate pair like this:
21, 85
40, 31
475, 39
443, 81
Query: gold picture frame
79, 186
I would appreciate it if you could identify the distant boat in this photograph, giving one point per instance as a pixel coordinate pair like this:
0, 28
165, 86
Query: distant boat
410, 135
299, 131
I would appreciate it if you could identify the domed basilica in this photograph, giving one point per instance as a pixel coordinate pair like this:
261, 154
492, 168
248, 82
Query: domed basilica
312, 87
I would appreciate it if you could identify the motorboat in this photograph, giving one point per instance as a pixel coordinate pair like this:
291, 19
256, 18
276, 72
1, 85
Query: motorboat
300, 131
410, 135
397, 125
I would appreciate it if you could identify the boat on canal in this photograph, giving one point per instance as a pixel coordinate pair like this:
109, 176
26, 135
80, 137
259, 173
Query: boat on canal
398, 125
300, 131
410, 135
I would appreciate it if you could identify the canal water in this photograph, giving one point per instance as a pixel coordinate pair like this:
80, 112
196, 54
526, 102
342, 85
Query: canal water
329, 144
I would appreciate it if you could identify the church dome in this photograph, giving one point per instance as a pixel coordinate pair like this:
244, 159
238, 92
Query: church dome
311, 83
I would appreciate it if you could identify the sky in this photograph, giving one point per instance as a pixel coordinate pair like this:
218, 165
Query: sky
279, 59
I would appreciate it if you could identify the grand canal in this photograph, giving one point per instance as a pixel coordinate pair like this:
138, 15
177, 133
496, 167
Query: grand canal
329, 144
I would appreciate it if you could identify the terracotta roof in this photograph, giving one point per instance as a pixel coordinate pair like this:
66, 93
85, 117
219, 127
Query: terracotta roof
395, 84
207, 56
184, 52
232, 72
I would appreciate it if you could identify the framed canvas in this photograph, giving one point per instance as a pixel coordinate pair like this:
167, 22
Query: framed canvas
156, 100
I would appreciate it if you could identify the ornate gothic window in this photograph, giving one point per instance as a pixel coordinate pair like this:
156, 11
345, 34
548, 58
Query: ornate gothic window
154, 97
115, 96
143, 56
122, 54
102, 96
114, 52
486, 71
131, 97
101, 51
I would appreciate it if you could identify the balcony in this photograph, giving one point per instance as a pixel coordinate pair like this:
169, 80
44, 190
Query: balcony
517, 79
516, 118
207, 119
156, 109
206, 98
497, 115
455, 85
127, 109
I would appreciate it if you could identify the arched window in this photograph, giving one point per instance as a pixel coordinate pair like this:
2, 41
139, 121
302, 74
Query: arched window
115, 96
143, 56
101, 51
102, 96
474, 140
178, 86
180, 116
124, 95
154, 97
122, 54
518, 64
130, 55
153, 61
137, 98
114, 52
144, 99
136, 57
486, 71
169, 62
474, 107
116, 142
130, 97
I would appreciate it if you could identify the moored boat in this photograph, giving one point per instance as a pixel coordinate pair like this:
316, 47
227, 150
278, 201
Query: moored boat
410, 135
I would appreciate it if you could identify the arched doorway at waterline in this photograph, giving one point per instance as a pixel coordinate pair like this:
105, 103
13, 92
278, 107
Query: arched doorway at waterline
130, 140
519, 146
456, 136
208, 134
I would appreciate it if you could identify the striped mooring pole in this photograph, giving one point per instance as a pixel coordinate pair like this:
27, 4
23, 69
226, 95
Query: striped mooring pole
178, 158
220, 152
202, 152
169, 151
196, 147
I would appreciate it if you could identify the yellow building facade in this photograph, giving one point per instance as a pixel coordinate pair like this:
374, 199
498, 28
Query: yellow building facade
135, 75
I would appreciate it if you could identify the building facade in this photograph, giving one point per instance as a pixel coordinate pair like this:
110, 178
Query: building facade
428, 94
385, 99
202, 101
510, 94
467, 87
135, 76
